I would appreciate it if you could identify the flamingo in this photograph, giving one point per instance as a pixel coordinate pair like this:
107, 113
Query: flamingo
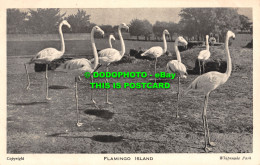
175, 66
212, 40
111, 37
204, 54
79, 66
108, 55
47, 55
157, 51
209, 82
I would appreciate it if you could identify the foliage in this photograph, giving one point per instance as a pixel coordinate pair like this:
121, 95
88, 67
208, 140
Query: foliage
159, 27
16, 21
44, 20
108, 29
140, 28
79, 21
201, 21
245, 23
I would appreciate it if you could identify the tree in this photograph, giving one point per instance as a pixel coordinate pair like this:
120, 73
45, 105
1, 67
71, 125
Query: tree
140, 28
108, 29
79, 21
201, 21
147, 29
245, 23
173, 28
158, 29
44, 20
16, 21
90, 26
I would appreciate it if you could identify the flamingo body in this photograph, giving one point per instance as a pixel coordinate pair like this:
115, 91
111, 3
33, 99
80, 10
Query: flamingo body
77, 66
155, 51
109, 55
175, 66
208, 82
204, 55
46, 55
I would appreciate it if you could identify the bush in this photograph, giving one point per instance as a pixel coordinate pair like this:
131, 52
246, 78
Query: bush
125, 59
52, 66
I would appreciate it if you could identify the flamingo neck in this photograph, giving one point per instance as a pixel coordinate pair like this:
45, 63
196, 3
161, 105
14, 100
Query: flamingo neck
61, 39
109, 41
229, 65
164, 43
177, 50
207, 44
94, 49
122, 52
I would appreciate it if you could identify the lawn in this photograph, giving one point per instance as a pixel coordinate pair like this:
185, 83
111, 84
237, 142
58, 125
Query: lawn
140, 120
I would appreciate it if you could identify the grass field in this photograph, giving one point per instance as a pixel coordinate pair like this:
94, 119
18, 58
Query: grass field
140, 120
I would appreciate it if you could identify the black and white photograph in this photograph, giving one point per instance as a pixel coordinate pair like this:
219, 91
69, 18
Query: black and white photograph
129, 83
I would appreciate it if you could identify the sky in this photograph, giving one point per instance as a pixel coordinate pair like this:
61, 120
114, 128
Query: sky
115, 16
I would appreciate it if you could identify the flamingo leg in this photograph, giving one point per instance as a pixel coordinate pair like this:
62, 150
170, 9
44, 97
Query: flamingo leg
155, 69
107, 102
91, 94
91, 91
178, 97
213, 144
199, 67
77, 103
47, 85
205, 124
203, 66
28, 78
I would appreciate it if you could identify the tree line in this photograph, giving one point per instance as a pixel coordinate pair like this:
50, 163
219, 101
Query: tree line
194, 24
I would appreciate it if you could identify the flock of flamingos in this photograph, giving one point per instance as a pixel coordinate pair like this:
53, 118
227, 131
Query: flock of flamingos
206, 82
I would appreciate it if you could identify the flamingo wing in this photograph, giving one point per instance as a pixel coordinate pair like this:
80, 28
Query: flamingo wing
108, 55
46, 55
175, 66
204, 55
156, 51
76, 65
207, 82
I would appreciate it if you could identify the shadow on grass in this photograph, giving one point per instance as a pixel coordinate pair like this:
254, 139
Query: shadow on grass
58, 87
99, 138
31, 103
105, 114
115, 139
107, 138
159, 80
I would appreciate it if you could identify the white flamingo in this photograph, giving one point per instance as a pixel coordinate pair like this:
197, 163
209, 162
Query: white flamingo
157, 51
79, 66
47, 55
175, 66
111, 37
108, 55
204, 54
209, 82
